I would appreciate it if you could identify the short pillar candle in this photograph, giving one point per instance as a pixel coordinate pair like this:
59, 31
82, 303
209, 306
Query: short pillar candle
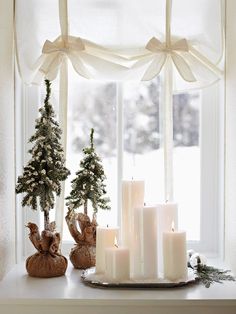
105, 237
117, 264
174, 255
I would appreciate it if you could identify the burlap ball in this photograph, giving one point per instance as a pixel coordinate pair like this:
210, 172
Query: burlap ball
44, 265
83, 256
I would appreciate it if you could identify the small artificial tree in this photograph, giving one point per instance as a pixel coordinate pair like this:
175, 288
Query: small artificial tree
87, 186
89, 182
44, 172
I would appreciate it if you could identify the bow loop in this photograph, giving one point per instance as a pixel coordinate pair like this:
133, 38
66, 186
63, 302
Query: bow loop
180, 45
155, 45
49, 47
63, 45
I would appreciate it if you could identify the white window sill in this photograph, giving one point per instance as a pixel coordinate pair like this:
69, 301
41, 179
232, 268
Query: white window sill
20, 293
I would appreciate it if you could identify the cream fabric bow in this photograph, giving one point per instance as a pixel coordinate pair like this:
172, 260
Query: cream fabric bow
50, 61
88, 59
161, 51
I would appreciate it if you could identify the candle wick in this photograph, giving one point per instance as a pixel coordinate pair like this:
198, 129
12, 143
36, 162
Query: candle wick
107, 226
144, 204
132, 178
167, 201
173, 226
116, 246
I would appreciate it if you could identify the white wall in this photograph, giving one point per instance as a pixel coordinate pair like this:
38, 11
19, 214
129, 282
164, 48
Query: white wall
230, 201
7, 168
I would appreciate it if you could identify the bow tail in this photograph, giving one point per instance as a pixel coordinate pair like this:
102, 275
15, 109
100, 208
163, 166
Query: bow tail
155, 67
51, 66
79, 66
183, 68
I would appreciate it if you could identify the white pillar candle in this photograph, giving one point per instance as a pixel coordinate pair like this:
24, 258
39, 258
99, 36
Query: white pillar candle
174, 255
167, 213
145, 243
117, 264
105, 237
132, 196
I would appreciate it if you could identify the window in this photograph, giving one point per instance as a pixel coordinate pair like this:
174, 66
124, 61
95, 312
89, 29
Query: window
127, 118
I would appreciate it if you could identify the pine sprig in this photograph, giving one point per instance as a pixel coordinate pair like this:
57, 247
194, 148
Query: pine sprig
208, 275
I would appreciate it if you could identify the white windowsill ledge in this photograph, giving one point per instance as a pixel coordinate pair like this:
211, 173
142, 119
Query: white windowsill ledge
20, 294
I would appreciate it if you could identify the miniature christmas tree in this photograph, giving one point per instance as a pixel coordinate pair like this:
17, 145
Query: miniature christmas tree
46, 169
89, 182
87, 186
43, 174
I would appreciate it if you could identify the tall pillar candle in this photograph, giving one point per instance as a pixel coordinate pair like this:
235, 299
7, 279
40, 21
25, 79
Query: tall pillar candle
132, 196
105, 237
175, 255
167, 213
145, 243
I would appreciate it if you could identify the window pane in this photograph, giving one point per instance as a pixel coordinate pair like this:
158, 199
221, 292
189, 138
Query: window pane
93, 105
186, 161
143, 158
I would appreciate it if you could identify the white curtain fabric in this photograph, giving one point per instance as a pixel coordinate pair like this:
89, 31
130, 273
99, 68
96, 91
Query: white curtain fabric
7, 150
122, 40
110, 40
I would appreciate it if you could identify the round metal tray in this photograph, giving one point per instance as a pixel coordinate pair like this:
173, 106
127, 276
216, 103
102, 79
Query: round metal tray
92, 279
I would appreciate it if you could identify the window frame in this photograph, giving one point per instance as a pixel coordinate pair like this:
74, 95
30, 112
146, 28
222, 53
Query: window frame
212, 149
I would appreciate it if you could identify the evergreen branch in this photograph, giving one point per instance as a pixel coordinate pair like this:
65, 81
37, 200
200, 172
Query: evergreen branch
208, 275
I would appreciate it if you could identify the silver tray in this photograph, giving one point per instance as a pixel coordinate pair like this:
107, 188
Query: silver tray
92, 279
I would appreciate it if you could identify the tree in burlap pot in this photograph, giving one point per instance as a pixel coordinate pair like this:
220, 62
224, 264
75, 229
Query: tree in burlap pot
40, 181
88, 186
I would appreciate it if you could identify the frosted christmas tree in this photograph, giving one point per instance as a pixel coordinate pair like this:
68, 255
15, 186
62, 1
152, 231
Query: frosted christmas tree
88, 186
89, 182
40, 182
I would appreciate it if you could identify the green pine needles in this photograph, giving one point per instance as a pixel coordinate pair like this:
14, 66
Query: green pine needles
207, 275
46, 169
89, 182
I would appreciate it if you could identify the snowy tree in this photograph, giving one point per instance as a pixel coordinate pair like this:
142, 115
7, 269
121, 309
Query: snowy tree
142, 130
46, 169
98, 109
88, 185
89, 182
